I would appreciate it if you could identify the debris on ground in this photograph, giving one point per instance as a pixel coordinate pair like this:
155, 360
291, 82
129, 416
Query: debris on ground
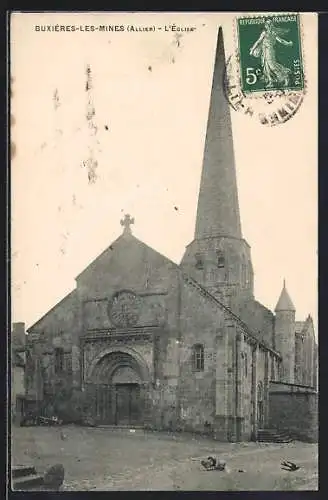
89, 421
33, 418
54, 477
212, 463
290, 466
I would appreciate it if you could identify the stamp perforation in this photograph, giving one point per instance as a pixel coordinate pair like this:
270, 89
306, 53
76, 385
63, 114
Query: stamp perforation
258, 93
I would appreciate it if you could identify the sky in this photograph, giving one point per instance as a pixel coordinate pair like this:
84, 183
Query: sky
150, 95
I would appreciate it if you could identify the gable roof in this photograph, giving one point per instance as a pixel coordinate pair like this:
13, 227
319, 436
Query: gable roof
123, 240
68, 296
302, 327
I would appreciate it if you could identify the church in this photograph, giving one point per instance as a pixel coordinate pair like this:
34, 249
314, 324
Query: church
184, 347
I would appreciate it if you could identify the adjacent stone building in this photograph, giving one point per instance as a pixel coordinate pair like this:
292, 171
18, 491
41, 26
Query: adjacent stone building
17, 375
184, 346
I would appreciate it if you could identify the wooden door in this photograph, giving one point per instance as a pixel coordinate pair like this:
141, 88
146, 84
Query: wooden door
135, 404
103, 406
128, 409
122, 404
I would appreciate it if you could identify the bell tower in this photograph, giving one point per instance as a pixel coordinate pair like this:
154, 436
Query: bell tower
218, 257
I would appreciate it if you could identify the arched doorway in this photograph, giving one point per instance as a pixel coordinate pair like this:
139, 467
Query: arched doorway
128, 407
117, 382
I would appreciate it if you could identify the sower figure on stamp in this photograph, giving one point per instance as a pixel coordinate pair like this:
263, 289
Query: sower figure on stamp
264, 47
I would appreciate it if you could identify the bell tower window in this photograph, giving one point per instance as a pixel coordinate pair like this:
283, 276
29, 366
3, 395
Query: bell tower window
220, 259
198, 357
199, 261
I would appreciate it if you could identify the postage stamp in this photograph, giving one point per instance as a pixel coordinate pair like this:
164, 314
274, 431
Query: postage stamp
270, 53
265, 76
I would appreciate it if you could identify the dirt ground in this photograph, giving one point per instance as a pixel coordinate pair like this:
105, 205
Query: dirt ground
106, 459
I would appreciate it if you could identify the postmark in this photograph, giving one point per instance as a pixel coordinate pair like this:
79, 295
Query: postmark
265, 76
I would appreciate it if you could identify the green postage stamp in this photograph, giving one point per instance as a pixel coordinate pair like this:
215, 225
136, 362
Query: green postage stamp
270, 53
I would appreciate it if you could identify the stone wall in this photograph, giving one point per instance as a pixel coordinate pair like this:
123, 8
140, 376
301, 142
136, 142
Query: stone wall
258, 366
258, 318
201, 322
127, 263
18, 362
17, 386
57, 329
246, 387
305, 359
294, 408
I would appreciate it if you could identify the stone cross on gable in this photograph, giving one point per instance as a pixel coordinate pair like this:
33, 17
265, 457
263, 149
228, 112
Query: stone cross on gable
127, 222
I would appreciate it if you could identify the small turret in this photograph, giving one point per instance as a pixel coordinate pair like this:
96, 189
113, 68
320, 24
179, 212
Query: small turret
285, 302
285, 334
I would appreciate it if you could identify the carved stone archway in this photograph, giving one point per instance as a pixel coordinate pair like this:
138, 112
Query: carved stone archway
135, 358
118, 380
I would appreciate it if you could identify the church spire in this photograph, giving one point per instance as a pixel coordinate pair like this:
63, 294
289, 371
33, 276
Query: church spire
218, 209
218, 257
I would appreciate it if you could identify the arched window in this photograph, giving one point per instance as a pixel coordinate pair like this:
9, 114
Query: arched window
59, 359
68, 362
220, 259
198, 357
199, 261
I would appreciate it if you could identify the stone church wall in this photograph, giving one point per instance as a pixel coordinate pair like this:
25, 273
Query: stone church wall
259, 319
305, 362
126, 264
57, 329
158, 316
246, 388
255, 384
165, 405
261, 366
201, 320
295, 409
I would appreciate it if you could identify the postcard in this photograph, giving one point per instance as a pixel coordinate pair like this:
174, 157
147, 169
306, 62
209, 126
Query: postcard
164, 251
